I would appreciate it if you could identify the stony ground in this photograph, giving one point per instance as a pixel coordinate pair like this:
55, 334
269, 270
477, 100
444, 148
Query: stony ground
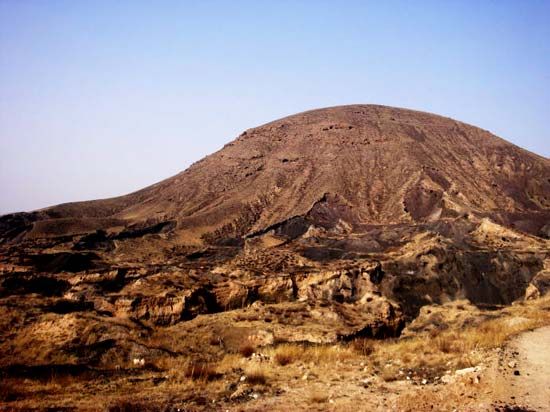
500, 364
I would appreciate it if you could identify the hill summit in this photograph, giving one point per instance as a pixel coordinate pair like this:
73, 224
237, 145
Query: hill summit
336, 168
300, 240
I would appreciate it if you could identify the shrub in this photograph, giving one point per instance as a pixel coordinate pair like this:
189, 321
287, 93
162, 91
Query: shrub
256, 376
289, 353
247, 350
363, 346
201, 371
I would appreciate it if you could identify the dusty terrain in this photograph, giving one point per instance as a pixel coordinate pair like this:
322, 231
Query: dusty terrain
357, 255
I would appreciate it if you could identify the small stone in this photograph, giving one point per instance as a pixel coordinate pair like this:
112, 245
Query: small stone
447, 379
466, 371
511, 364
243, 378
424, 381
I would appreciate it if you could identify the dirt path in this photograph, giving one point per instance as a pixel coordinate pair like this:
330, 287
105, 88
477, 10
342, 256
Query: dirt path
523, 378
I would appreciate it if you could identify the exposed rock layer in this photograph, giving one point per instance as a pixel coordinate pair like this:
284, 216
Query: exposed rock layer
323, 226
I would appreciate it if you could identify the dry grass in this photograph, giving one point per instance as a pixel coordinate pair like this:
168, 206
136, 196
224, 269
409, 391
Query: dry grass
363, 346
9, 391
460, 348
288, 353
247, 350
318, 397
256, 376
201, 371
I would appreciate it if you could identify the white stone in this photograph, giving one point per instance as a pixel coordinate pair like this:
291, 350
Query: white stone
466, 371
447, 379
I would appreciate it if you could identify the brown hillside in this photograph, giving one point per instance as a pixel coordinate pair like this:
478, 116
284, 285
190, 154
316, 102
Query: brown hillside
358, 165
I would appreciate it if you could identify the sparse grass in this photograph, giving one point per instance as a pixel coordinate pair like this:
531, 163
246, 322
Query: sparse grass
461, 348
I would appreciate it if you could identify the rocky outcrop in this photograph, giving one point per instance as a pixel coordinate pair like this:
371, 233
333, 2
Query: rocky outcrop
326, 226
167, 309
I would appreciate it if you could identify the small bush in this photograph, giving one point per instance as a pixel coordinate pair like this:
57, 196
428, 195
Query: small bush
201, 371
283, 359
389, 375
289, 353
318, 397
364, 347
247, 350
256, 376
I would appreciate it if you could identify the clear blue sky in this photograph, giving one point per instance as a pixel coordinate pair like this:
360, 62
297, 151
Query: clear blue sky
102, 98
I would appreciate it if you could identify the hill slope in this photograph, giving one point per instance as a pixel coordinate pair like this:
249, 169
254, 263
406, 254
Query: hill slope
357, 165
327, 227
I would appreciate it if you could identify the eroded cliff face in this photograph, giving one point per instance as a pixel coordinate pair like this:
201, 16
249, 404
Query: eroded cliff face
316, 288
321, 227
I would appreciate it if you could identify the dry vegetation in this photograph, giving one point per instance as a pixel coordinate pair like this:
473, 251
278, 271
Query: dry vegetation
263, 371
460, 348
256, 375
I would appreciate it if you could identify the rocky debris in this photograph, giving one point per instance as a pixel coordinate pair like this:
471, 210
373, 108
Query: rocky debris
275, 239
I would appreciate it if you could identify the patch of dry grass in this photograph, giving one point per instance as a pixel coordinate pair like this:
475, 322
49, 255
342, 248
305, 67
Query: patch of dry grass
288, 353
461, 348
318, 396
256, 376
201, 371
246, 350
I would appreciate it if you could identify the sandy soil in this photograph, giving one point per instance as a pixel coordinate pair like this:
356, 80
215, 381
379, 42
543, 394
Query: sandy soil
523, 377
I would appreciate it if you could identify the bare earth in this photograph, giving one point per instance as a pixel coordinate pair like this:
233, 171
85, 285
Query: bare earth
370, 257
529, 356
